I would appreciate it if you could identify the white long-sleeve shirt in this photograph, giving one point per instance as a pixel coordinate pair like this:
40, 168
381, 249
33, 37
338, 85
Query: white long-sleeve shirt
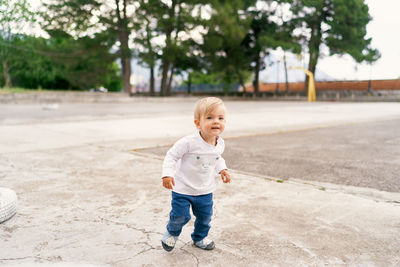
193, 163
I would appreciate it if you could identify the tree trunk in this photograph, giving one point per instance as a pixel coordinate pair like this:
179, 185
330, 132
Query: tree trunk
189, 87
152, 91
166, 53
152, 60
277, 78
241, 81
257, 75
125, 54
166, 64
165, 68
313, 60
171, 76
126, 73
6, 74
313, 47
286, 74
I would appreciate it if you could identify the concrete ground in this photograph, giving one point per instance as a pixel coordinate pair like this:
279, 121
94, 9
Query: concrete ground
88, 180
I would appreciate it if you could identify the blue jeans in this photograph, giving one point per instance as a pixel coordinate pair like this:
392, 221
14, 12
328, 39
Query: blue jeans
202, 208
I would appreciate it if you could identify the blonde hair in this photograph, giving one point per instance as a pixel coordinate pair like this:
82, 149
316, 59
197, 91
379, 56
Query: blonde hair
206, 105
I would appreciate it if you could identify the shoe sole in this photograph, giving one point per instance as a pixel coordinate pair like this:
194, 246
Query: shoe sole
210, 246
166, 247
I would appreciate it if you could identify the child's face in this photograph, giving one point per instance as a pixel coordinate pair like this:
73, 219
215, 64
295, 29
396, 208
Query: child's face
212, 124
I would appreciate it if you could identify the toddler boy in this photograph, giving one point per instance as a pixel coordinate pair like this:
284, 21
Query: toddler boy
189, 169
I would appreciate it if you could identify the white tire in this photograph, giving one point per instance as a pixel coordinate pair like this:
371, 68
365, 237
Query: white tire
8, 204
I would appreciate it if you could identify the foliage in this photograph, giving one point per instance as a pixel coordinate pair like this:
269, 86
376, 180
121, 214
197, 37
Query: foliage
88, 61
266, 33
61, 62
222, 46
145, 25
176, 20
347, 34
14, 15
81, 18
31, 67
207, 41
339, 25
205, 78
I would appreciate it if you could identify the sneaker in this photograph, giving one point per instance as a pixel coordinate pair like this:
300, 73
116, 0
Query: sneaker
168, 241
205, 244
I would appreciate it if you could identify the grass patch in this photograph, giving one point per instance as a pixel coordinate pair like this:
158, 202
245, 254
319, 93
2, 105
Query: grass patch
279, 181
19, 90
15, 90
322, 188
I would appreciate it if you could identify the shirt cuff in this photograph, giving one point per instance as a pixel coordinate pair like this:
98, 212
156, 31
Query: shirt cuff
166, 172
220, 165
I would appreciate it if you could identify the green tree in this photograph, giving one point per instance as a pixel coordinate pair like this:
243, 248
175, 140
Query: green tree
223, 43
82, 17
61, 62
85, 62
14, 14
145, 26
268, 31
340, 25
31, 64
176, 20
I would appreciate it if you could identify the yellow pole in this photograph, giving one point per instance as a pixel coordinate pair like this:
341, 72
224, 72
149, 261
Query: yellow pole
311, 84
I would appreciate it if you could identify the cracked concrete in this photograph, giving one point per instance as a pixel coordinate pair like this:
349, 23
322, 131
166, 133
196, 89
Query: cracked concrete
89, 197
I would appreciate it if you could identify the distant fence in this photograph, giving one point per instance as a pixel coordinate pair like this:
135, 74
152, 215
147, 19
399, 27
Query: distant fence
295, 87
331, 86
206, 88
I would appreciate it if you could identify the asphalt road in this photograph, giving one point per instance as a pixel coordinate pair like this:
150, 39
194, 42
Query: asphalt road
366, 154
363, 155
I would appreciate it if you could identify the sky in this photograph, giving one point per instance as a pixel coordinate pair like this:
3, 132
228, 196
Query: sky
383, 29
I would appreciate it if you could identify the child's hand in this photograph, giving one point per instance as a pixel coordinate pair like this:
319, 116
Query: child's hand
168, 182
226, 177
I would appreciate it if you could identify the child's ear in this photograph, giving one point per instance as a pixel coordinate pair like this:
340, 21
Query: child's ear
197, 123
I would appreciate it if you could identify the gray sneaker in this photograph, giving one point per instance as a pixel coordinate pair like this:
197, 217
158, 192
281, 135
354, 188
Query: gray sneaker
168, 241
205, 244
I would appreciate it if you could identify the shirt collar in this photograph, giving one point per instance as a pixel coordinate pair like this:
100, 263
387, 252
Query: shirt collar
198, 134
